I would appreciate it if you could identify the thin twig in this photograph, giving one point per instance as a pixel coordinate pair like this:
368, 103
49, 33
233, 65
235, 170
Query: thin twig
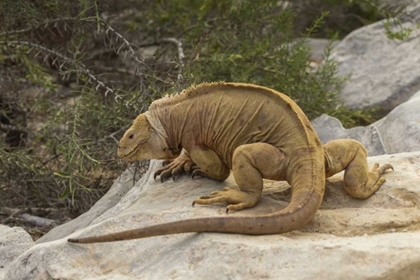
120, 70
11, 212
50, 159
112, 136
119, 16
44, 25
181, 54
134, 54
8, 127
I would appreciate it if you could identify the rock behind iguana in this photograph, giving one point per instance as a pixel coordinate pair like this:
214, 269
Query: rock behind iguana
256, 132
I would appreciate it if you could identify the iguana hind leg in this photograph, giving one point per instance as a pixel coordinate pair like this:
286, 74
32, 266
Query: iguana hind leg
351, 156
360, 182
250, 164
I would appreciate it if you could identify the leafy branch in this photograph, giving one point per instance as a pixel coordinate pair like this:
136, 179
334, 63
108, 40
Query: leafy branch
80, 67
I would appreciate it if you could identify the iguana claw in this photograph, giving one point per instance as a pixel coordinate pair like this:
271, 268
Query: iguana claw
157, 173
173, 168
198, 172
167, 161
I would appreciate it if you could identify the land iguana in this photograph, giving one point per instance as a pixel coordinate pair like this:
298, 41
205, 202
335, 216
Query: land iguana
257, 133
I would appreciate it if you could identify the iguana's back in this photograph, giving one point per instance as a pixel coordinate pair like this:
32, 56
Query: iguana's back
223, 116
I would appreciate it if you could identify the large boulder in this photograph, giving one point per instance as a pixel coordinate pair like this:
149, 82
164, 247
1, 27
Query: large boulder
330, 128
400, 129
13, 242
397, 132
376, 238
383, 72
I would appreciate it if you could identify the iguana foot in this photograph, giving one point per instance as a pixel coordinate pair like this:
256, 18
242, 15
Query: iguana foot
380, 169
351, 156
372, 183
174, 168
375, 173
237, 199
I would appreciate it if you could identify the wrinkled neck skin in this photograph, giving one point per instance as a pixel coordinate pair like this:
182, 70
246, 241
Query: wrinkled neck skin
170, 149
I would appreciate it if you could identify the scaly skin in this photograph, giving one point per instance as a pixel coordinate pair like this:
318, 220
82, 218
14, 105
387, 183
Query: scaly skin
257, 133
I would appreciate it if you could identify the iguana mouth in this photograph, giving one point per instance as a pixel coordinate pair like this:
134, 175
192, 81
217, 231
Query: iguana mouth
134, 151
127, 155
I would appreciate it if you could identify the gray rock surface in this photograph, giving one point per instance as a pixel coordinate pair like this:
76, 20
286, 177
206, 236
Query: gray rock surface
398, 132
384, 72
400, 129
118, 190
13, 242
330, 128
377, 238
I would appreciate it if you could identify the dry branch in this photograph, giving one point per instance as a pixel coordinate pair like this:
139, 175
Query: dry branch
80, 67
181, 54
27, 218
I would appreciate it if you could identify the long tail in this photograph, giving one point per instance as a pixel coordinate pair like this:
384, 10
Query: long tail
299, 212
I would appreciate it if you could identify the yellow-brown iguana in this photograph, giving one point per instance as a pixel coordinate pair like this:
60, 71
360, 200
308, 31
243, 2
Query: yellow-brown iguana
257, 133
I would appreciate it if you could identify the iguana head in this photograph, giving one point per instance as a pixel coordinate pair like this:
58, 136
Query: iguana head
141, 141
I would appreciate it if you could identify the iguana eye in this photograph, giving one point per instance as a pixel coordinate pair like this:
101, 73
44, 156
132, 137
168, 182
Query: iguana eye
130, 136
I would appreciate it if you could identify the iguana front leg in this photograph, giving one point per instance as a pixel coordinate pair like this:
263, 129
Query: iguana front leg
173, 168
202, 162
351, 156
250, 163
